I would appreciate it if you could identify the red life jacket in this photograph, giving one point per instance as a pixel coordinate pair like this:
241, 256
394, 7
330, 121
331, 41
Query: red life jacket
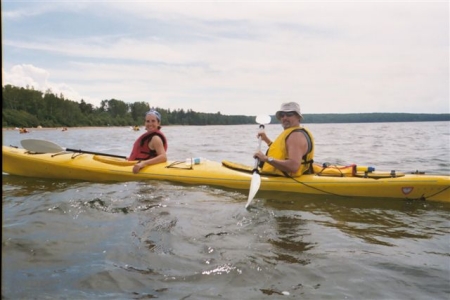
141, 151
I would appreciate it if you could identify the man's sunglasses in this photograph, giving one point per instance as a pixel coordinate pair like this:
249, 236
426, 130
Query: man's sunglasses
287, 114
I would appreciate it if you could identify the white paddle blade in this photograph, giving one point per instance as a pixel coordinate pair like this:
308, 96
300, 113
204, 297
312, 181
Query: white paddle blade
263, 119
254, 187
256, 179
40, 146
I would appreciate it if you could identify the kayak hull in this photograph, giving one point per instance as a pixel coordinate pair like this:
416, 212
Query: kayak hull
96, 168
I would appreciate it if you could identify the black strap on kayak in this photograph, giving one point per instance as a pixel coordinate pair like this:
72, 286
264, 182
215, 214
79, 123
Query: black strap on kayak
176, 165
320, 190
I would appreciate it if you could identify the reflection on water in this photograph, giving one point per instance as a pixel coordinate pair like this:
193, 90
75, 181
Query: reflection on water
373, 220
154, 239
288, 242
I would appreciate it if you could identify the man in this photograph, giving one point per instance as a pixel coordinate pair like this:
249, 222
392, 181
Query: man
292, 152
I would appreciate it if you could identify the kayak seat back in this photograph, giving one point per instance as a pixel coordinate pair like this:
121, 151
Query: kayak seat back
245, 168
114, 160
334, 170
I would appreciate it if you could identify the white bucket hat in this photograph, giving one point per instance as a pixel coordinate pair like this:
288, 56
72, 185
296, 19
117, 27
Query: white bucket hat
289, 106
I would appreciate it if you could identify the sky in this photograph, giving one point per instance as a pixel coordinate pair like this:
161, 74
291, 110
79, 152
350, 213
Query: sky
234, 57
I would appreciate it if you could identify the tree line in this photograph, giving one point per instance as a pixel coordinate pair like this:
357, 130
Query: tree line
27, 107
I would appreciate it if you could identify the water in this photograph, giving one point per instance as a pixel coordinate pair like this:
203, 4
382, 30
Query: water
146, 240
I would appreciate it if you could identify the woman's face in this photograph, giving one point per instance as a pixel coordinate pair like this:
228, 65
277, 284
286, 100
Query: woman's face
151, 122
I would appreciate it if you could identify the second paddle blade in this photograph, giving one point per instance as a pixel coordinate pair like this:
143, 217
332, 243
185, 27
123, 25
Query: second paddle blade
254, 187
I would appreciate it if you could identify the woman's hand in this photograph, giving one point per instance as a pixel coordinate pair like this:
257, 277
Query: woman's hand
137, 167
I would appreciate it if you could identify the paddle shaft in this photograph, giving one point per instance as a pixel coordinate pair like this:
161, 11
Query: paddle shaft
95, 153
261, 126
256, 178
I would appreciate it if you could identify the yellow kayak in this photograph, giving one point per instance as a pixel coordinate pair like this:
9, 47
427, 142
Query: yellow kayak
100, 168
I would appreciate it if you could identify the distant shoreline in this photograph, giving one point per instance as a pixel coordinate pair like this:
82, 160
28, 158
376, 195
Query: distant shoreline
274, 121
83, 127
68, 128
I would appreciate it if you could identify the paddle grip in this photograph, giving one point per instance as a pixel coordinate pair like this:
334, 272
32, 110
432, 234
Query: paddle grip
261, 126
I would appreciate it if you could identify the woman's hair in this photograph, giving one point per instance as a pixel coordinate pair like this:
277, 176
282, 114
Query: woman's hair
155, 113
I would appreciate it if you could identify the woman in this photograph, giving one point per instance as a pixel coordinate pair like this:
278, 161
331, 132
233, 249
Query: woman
150, 148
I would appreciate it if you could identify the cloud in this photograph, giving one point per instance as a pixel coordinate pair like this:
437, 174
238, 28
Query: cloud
30, 76
237, 57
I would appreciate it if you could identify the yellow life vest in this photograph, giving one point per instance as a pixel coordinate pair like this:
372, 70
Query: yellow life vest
278, 150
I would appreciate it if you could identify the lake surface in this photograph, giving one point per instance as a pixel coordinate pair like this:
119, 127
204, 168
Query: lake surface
145, 240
